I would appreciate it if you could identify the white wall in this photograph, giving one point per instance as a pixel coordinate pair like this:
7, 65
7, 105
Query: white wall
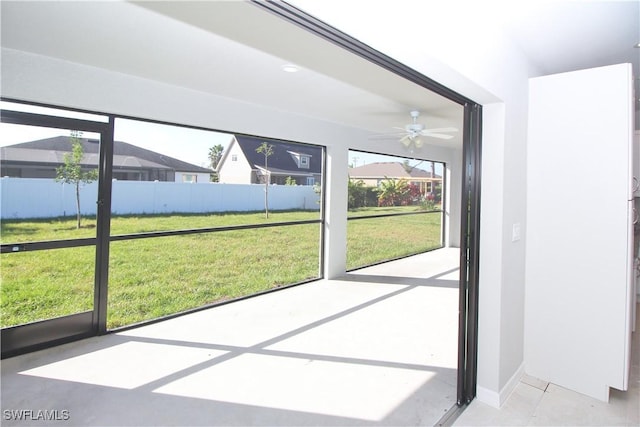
235, 172
461, 45
45, 198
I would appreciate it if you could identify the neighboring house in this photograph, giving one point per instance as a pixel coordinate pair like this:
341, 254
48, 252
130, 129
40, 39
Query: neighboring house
242, 164
39, 159
374, 173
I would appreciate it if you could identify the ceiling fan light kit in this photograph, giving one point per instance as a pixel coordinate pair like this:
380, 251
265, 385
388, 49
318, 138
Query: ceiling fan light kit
411, 139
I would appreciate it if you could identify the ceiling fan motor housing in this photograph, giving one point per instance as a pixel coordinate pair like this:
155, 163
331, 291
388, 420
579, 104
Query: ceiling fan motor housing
414, 128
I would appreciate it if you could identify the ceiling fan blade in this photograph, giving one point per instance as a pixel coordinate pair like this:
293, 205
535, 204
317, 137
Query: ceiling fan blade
437, 135
440, 130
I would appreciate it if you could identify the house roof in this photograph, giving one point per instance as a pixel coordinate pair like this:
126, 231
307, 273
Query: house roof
52, 150
389, 169
281, 161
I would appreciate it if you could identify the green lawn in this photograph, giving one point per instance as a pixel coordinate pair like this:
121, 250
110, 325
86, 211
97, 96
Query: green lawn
153, 277
373, 240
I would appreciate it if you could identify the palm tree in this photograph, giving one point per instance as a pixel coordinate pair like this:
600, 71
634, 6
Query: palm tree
356, 193
392, 191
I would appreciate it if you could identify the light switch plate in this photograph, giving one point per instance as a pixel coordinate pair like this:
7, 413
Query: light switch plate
515, 235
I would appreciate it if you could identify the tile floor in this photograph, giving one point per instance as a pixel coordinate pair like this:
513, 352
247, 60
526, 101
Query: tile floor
537, 403
362, 350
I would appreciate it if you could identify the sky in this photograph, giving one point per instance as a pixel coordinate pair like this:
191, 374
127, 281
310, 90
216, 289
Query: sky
186, 144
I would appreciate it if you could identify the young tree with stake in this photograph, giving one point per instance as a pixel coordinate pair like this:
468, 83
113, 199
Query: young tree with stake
267, 150
71, 171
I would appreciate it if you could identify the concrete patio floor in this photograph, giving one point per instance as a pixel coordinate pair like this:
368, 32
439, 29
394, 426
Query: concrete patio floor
377, 347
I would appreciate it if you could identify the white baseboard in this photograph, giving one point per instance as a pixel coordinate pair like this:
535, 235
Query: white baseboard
496, 399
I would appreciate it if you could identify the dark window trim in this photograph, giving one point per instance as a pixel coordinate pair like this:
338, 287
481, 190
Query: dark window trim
384, 261
19, 117
46, 244
18, 338
136, 236
71, 243
23, 338
386, 215
127, 117
103, 228
470, 255
352, 218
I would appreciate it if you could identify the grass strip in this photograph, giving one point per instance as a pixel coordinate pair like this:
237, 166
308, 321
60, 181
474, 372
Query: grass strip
150, 278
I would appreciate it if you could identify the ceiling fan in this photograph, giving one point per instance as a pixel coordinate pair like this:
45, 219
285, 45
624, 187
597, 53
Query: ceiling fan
412, 132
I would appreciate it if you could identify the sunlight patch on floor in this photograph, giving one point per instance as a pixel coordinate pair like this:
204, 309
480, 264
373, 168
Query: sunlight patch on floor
127, 366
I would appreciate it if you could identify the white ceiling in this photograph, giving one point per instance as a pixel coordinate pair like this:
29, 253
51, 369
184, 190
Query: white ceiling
560, 36
235, 49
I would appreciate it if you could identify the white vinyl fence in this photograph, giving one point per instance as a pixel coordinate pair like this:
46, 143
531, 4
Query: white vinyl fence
45, 198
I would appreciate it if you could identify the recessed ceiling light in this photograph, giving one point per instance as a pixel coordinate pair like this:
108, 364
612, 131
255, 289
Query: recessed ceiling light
637, 45
290, 68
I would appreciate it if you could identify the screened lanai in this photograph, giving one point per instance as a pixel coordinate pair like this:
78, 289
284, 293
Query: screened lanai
144, 287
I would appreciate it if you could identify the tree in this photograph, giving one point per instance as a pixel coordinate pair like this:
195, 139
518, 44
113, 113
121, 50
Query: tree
317, 188
393, 192
408, 167
356, 193
71, 171
267, 150
215, 154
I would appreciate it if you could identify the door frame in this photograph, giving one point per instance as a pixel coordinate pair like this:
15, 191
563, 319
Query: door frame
45, 333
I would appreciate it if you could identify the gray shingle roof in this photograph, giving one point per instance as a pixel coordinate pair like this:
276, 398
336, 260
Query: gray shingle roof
52, 150
281, 160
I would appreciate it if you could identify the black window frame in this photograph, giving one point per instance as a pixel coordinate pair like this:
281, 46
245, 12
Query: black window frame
388, 215
38, 335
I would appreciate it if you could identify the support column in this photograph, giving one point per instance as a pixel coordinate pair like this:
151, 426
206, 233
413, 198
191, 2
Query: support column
336, 198
453, 196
